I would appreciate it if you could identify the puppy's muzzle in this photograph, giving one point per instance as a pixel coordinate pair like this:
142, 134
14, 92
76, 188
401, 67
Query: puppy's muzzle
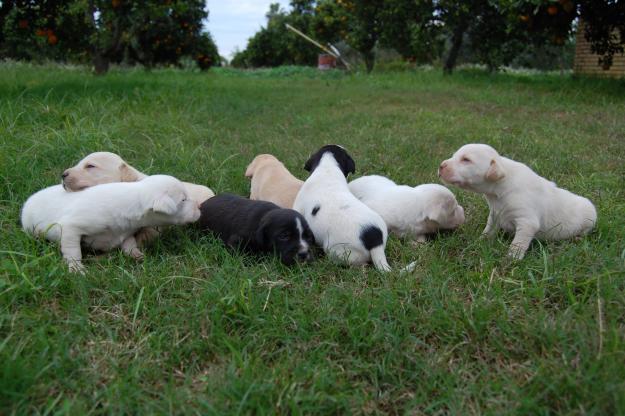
304, 256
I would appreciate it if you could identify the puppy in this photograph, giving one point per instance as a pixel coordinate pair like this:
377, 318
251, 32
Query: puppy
520, 201
345, 227
106, 216
271, 181
258, 227
105, 167
409, 212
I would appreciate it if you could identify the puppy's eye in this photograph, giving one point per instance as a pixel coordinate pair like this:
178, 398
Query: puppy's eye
465, 160
284, 236
89, 166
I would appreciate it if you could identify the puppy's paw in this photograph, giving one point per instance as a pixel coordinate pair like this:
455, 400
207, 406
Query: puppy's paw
136, 254
418, 240
145, 235
76, 267
516, 253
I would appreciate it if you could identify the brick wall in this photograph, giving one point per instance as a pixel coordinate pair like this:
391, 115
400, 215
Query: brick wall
587, 63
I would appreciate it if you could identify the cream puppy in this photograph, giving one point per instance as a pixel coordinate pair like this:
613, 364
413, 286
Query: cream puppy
409, 212
105, 167
520, 201
107, 216
272, 181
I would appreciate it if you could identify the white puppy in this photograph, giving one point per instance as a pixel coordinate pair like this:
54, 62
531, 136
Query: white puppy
107, 216
520, 201
105, 167
409, 212
345, 227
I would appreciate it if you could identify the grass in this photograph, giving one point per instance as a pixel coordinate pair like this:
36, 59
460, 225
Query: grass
198, 329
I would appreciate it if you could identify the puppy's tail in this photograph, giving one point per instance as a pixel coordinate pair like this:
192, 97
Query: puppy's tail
378, 258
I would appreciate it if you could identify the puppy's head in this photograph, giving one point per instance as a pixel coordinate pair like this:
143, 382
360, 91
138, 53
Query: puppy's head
258, 162
98, 168
474, 167
444, 210
340, 155
168, 201
287, 233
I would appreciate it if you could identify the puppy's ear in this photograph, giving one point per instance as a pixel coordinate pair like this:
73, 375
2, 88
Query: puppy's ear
495, 172
249, 172
312, 162
165, 205
347, 165
128, 174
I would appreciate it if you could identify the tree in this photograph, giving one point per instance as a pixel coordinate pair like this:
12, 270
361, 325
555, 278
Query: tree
363, 26
47, 29
150, 32
275, 45
410, 27
604, 23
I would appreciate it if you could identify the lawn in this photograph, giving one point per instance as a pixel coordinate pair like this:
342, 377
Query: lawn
195, 328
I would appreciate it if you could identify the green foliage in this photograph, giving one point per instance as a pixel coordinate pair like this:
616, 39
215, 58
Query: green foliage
45, 30
149, 32
275, 45
409, 27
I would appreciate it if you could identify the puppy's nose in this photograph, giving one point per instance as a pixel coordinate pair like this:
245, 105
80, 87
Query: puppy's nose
302, 256
64, 174
441, 167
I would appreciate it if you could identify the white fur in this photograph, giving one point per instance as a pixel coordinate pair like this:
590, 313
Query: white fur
303, 245
106, 167
409, 212
341, 217
520, 201
106, 216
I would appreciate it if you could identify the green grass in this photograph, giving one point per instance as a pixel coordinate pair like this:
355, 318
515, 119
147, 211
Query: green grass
198, 329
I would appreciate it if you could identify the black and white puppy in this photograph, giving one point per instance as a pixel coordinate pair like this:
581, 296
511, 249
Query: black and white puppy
258, 227
345, 227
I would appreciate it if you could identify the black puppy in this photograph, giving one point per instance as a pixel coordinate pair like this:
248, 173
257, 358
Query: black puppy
258, 226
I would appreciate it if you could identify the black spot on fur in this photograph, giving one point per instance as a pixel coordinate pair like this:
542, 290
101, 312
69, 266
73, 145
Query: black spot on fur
343, 159
315, 210
371, 236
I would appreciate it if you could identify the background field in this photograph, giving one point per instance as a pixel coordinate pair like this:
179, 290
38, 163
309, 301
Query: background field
198, 329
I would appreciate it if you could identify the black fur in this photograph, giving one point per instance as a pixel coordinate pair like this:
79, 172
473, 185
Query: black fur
344, 160
256, 226
315, 210
371, 236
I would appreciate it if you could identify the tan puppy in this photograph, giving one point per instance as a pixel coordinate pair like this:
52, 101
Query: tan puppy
271, 181
105, 167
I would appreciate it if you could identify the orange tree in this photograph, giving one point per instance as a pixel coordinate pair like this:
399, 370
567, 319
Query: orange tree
46, 29
149, 32
551, 21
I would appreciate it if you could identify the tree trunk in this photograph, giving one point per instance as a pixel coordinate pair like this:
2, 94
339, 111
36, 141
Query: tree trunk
100, 63
456, 44
369, 60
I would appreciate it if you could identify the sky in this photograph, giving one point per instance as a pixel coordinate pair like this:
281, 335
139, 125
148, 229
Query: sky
233, 22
